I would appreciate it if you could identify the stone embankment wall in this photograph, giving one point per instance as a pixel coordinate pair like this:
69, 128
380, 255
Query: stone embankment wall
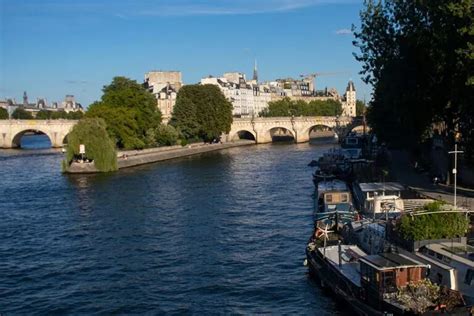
133, 158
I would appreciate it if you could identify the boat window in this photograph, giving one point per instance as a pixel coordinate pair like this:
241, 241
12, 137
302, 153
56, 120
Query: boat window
364, 271
439, 256
431, 253
328, 198
344, 198
469, 279
447, 259
389, 284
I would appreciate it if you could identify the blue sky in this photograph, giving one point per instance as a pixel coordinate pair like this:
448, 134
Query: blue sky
51, 48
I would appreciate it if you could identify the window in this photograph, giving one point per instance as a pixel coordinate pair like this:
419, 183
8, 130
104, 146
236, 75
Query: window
389, 284
344, 198
328, 198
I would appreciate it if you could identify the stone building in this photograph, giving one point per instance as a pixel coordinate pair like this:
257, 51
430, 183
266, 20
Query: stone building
248, 98
349, 101
68, 105
165, 86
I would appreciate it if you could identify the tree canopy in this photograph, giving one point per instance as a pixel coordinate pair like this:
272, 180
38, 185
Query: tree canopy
288, 107
3, 114
202, 112
56, 115
360, 108
21, 114
99, 146
418, 56
129, 110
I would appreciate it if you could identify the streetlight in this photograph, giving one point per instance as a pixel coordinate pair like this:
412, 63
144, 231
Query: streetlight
455, 171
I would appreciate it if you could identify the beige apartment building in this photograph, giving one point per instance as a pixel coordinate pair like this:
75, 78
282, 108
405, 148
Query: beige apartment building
165, 86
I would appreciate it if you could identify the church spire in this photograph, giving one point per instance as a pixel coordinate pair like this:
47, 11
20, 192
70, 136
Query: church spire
255, 71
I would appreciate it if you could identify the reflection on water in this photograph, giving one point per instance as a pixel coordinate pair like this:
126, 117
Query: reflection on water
222, 232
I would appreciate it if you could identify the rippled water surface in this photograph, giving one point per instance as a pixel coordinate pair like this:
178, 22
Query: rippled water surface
219, 233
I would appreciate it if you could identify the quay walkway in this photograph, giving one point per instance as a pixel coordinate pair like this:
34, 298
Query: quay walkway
405, 172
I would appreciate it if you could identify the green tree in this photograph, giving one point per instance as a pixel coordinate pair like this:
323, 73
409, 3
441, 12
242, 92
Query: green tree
202, 111
59, 115
99, 146
129, 110
166, 135
419, 58
76, 115
123, 127
3, 114
43, 115
21, 114
360, 108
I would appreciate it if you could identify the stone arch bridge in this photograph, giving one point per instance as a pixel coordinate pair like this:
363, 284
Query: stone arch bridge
11, 131
261, 128
264, 128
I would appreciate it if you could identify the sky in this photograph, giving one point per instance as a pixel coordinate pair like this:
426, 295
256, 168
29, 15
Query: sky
51, 48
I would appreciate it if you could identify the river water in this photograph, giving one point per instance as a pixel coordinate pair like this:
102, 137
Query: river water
218, 233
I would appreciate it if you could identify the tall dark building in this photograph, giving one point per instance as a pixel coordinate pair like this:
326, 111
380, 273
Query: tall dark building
25, 99
255, 71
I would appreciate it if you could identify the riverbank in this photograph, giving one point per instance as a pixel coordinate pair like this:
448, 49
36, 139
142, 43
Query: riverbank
132, 158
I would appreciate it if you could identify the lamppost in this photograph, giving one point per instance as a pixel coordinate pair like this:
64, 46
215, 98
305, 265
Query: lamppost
455, 171
337, 127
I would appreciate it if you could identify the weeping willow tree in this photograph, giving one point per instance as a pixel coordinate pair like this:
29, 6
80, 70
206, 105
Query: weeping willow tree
99, 147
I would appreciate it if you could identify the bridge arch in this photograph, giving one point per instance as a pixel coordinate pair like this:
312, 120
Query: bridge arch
65, 139
243, 134
16, 140
280, 133
359, 128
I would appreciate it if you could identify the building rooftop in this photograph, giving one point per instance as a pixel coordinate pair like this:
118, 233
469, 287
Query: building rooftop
350, 86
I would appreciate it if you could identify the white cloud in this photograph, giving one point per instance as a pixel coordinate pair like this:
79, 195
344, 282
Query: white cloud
236, 7
343, 32
124, 9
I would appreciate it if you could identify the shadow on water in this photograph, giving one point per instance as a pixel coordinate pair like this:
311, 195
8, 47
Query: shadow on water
35, 141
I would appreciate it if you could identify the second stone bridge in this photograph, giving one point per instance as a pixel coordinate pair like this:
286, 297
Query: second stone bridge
264, 129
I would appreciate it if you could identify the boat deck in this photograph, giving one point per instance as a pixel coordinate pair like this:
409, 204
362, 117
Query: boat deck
349, 261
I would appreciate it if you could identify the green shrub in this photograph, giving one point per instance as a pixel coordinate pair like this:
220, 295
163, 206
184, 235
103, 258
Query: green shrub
166, 135
432, 226
99, 147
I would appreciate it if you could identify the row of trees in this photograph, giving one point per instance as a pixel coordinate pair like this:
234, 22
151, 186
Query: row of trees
287, 107
419, 58
22, 114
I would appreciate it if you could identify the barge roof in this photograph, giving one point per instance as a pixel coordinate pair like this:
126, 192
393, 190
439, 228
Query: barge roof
332, 185
379, 186
445, 249
390, 261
